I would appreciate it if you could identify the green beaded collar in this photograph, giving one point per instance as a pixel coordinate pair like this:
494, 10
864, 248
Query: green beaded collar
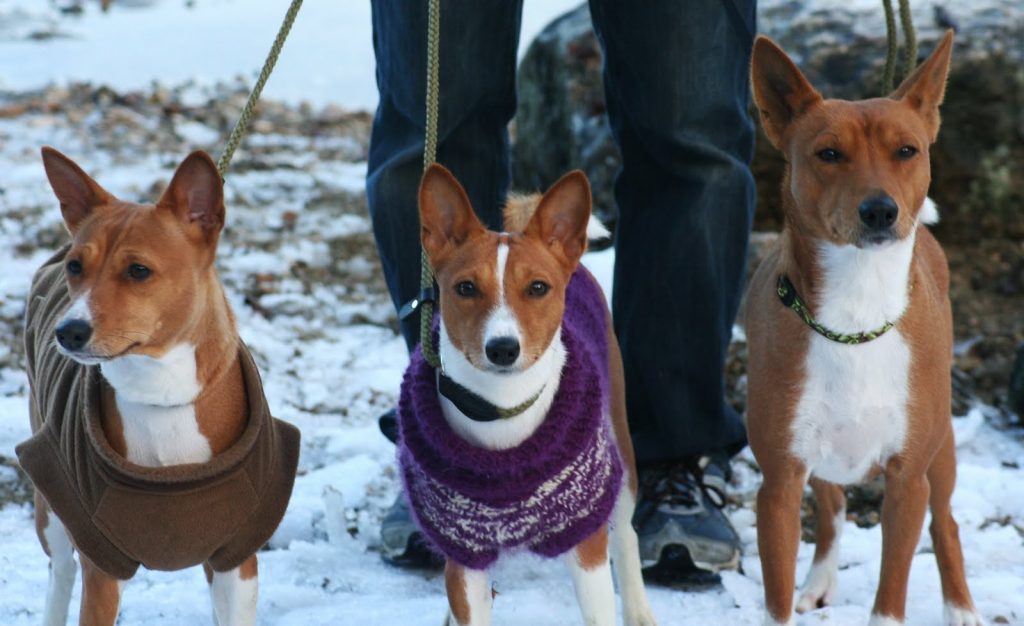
790, 298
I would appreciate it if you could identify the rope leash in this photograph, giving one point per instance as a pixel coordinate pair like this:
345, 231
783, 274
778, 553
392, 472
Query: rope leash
426, 301
268, 66
909, 36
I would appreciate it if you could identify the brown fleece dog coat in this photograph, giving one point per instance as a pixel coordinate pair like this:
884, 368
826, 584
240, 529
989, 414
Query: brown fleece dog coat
121, 515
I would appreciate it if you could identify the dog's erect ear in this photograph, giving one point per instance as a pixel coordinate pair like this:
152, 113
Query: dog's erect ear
77, 192
561, 218
446, 215
781, 91
196, 196
924, 89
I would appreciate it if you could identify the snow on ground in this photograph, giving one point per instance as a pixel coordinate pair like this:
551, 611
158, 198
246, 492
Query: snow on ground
328, 57
305, 284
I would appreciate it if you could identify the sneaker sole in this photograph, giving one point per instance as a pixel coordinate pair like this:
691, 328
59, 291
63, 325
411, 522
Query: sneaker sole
675, 566
416, 555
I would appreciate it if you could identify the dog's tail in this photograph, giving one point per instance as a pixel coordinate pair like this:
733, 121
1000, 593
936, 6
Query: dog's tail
520, 207
929, 212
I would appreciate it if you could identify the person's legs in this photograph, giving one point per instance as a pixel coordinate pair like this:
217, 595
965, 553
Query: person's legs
676, 84
477, 99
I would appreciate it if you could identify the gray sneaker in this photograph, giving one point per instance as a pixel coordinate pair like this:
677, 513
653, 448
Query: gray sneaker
402, 544
684, 535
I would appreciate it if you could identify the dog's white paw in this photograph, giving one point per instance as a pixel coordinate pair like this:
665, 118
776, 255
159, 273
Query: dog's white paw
956, 616
819, 588
883, 620
816, 597
770, 621
639, 616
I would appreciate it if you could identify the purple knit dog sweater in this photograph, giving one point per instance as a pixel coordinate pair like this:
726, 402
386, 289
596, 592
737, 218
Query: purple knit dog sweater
548, 493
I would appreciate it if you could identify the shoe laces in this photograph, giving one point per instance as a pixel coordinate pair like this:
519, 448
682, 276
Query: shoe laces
681, 485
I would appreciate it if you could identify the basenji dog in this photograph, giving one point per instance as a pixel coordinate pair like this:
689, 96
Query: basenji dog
153, 444
850, 336
519, 441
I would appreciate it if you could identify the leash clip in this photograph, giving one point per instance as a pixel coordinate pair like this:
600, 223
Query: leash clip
410, 307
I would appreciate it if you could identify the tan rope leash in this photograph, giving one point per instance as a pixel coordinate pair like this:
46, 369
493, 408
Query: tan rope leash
268, 66
429, 156
909, 35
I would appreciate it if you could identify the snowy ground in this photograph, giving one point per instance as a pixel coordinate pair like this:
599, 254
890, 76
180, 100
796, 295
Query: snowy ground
301, 274
328, 57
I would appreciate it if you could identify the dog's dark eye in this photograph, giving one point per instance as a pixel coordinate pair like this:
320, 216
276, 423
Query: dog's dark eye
466, 289
829, 155
538, 289
138, 272
906, 152
74, 267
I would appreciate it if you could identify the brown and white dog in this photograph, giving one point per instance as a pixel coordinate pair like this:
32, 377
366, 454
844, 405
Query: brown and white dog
502, 301
859, 383
143, 302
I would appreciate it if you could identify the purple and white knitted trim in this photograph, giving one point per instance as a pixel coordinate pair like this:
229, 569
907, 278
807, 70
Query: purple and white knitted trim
555, 507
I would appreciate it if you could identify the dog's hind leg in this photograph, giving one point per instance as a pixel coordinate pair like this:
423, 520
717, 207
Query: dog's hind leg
234, 593
820, 585
592, 577
58, 546
469, 595
959, 608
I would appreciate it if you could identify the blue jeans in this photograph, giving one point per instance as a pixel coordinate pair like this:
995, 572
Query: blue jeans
677, 93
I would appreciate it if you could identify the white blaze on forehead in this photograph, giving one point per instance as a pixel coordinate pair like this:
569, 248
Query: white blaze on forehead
501, 321
79, 309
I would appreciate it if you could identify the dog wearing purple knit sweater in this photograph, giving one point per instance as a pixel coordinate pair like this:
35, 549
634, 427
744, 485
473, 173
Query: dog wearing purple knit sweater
519, 440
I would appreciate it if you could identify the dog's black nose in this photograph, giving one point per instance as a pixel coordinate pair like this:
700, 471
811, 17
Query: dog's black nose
72, 335
879, 212
502, 350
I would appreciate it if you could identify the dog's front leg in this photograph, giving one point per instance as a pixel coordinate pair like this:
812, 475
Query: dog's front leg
906, 497
101, 596
234, 593
63, 569
592, 577
778, 536
625, 553
469, 595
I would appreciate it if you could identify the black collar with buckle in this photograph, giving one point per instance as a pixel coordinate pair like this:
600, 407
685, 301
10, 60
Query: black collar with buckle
476, 408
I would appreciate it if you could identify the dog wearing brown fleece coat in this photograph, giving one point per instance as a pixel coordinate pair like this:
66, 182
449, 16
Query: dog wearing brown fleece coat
153, 441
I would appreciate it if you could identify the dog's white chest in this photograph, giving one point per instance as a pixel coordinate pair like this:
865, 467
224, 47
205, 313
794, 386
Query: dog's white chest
161, 436
155, 399
853, 411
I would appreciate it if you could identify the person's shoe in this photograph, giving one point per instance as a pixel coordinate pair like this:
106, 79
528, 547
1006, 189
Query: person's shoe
402, 544
684, 535
388, 424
